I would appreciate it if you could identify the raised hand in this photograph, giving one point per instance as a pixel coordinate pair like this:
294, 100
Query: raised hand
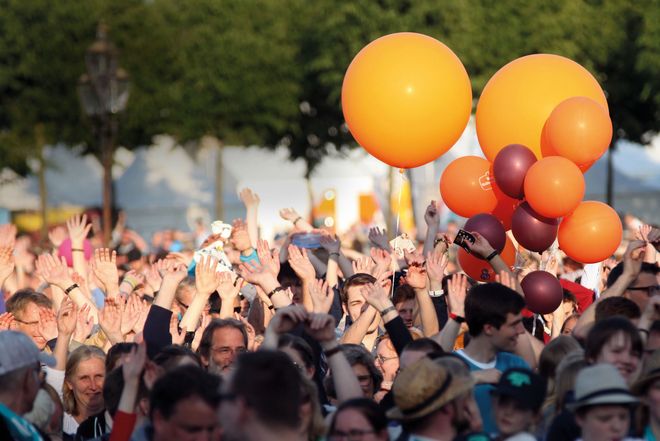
130, 314
289, 214
132, 279
457, 288
7, 235
104, 266
432, 214
633, 257
481, 246
133, 365
330, 243
227, 289
416, 276
240, 238
321, 295
378, 237
321, 327
6, 263
6, 321
383, 258
436, 263
506, 279
153, 278
173, 271
78, 230
84, 324
269, 260
110, 320
376, 296
285, 319
66, 318
142, 318
363, 265
206, 276
643, 233
301, 264
256, 274
251, 333
413, 258
47, 324
54, 270
550, 262
249, 198
203, 324
178, 335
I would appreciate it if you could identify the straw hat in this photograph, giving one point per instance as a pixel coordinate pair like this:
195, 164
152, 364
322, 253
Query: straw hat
423, 388
650, 373
600, 384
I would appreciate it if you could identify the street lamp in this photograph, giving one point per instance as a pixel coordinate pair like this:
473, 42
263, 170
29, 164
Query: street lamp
103, 92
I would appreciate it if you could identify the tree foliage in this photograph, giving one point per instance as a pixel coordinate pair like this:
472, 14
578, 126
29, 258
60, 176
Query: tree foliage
269, 72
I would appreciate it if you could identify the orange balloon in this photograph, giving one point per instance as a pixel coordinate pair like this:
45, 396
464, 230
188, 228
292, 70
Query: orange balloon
578, 129
505, 207
592, 233
479, 269
554, 186
518, 99
466, 187
406, 99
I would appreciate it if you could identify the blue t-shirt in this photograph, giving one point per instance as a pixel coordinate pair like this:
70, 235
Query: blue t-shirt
503, 361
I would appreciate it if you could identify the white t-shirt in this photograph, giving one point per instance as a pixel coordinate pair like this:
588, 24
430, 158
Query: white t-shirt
55, 378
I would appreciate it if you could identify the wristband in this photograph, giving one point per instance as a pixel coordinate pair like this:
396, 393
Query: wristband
388, 309
437, 293
71, 288
271, 307
456, 318
330, 352
80, 250
297, 219
335, 254
275, 291
492, 255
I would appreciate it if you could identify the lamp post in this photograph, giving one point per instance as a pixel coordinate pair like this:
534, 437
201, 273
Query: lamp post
103, 92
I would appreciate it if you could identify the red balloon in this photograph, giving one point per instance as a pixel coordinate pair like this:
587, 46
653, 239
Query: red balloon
505, 207
510, 167
533, 231
479, 269
543, 292
490, 228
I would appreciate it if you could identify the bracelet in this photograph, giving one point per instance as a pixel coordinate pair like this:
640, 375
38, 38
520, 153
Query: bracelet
492, 255
437, 293
271, 307
275, 291
71, 288
456, 318
297, 219
644, 331
330, 352
388, 309
80, 250
335, 254
129, 283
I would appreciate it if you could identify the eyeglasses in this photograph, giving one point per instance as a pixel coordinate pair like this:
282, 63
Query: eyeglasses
353, 434
383, 359
650, 290
26, 323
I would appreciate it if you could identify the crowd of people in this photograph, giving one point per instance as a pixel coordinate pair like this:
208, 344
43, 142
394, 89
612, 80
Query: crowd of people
336, 340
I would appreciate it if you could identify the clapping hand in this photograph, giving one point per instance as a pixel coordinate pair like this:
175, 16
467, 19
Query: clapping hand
457, 288
301, 264
321, 295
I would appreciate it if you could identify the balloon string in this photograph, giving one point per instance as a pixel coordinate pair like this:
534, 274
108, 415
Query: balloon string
398, 219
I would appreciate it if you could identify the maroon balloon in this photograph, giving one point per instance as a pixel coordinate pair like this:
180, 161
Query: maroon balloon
543, 292
531, 230
510, 167
490, 228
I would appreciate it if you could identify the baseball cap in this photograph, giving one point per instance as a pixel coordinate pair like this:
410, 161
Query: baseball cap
19, 351
524, 386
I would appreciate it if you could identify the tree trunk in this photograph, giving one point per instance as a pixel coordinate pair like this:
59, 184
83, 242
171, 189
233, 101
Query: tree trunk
609, 190
107, 149
43, 191
219, 188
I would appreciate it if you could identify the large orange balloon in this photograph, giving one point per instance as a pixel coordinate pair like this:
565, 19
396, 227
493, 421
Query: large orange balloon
578, 129
466, 187
406, 99
592, 233
554, 186
479, 269
518, 99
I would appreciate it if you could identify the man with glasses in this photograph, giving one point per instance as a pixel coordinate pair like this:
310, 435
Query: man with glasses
20, 381
223, 340
25, 306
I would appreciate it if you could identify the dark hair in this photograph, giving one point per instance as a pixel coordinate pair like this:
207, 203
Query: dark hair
359, 279
299, 345
604, 330
181, 383
357, 354
21, 298
655, 327
367, 408
287, 277
403, 293
113, 386
569, 296
271, 385
169, 357
616, 272
423, 344
115, 352
489, 304
207, 337
617, 307
553, 353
